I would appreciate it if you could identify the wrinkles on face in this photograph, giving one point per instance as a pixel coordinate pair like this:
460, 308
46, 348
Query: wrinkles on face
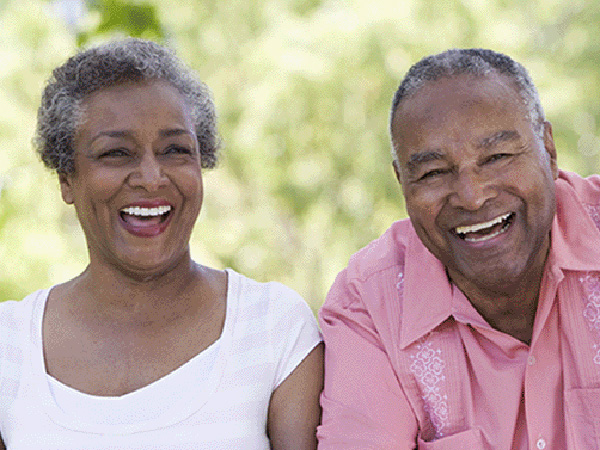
477, 179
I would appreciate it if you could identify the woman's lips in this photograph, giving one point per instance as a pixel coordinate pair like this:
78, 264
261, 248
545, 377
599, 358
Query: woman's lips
145, 220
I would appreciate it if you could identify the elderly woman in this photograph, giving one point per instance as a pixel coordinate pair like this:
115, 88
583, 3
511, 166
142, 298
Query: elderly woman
147, 349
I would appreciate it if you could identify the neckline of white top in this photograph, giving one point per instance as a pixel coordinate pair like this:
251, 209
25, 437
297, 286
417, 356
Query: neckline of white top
171, 403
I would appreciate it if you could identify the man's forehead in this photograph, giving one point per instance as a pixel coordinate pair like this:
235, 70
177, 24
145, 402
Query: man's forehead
452, 100
465, 88
497, 137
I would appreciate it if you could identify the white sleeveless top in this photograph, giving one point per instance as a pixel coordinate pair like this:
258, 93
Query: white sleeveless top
217, 400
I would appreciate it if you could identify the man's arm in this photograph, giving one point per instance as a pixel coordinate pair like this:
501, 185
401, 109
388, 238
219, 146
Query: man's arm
294, 411
364, 406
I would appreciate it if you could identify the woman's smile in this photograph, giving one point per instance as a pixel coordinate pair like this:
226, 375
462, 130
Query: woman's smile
146, 219
137, 187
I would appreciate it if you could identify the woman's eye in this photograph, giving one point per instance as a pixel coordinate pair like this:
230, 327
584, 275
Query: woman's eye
177, 150
114, 153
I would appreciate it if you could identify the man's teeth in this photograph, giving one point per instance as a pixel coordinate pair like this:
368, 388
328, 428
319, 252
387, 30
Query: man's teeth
482, 225
145, 212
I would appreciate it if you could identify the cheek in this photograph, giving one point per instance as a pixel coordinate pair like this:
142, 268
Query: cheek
538, 192
194, 187
423, 218
542, 206
423, 204
191, 186
102, 187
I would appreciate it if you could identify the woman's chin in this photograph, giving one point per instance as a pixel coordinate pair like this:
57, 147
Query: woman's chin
146, 266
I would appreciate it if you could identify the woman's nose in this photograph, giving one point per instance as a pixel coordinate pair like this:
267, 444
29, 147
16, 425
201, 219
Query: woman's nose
149, 174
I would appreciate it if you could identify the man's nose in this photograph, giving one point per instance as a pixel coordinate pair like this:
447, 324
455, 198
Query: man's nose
149, 173
470, 190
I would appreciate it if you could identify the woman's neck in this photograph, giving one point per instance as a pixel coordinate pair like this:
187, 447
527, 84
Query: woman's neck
110, 293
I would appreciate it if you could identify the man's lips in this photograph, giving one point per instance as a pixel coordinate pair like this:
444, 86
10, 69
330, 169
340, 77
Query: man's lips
483, 231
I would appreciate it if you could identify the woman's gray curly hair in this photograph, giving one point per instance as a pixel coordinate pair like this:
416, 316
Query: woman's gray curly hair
110, 64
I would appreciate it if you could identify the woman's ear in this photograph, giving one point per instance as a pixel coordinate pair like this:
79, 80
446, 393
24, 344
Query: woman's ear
66, 187
550, 148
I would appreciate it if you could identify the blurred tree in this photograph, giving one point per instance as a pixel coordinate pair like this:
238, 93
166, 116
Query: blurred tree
135, 19
303, 89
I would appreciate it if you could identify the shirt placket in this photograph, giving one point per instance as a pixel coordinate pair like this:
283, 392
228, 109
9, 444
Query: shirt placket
543, 377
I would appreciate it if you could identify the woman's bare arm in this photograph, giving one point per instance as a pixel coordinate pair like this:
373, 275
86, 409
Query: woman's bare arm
294, 410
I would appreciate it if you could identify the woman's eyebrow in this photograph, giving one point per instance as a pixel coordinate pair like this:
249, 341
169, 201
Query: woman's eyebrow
174, 132
112, 133
126, 133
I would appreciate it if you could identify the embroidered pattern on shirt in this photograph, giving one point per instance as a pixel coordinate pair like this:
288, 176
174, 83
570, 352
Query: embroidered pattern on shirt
591, 312
428, 368
400, 282
594, 212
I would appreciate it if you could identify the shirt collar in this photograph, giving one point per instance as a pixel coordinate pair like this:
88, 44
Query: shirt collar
428, 296
427, 293
575, 238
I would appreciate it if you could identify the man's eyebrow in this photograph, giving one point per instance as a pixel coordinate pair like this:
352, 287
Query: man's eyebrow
500, 136
417, 159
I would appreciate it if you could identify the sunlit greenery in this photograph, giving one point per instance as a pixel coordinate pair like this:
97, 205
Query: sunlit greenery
302, 89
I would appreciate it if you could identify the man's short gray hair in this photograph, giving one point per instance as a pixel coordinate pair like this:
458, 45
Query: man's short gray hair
472, 61
111, 64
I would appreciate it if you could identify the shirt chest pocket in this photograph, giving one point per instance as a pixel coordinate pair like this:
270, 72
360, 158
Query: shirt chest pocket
465, 440
583, 418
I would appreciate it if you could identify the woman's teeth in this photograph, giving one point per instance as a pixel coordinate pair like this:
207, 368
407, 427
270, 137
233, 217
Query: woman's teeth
146, 212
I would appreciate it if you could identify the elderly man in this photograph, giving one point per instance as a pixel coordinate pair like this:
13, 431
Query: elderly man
476, 323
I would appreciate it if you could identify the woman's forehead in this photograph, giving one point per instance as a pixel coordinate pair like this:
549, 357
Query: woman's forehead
151, 106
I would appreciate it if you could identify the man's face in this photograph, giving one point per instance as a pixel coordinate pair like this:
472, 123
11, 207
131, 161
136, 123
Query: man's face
477, 179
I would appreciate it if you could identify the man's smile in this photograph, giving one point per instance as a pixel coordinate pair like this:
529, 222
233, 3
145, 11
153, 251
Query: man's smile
485, 230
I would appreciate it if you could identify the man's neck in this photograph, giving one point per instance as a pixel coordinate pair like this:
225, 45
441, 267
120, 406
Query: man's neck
512, 315
511, 310
509, 302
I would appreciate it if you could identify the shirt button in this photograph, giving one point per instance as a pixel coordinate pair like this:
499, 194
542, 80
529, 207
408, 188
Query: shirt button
531, 362
541, 444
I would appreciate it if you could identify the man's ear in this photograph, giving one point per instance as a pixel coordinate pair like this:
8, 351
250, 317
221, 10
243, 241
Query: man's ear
66, 187
550, 148
397, 170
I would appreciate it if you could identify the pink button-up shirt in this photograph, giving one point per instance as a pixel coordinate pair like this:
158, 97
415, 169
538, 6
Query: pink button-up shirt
410, 363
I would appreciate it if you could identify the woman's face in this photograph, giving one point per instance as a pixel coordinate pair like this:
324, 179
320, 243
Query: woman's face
137, 185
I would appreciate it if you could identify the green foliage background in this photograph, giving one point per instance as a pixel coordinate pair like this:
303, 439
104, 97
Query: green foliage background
302, 89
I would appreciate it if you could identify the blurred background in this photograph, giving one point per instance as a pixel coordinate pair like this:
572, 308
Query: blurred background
303, 89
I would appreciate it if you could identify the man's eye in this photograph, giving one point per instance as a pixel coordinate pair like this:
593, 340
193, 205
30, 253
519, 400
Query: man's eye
433, 173
498, 157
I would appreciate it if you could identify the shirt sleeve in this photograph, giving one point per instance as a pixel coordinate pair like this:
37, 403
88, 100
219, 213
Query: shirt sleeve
294, 330
364, 406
